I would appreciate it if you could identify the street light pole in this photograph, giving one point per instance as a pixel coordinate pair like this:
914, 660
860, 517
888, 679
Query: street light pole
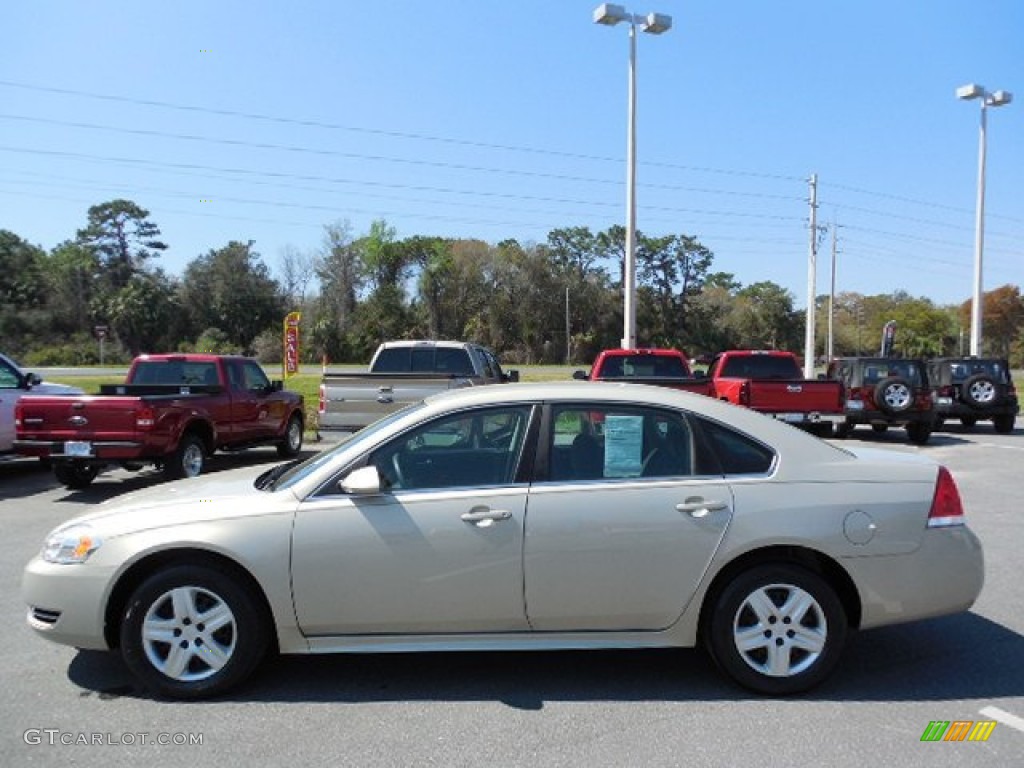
653, 23
996, 99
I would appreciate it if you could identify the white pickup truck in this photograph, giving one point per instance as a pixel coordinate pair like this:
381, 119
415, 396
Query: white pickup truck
15, 384
400, 373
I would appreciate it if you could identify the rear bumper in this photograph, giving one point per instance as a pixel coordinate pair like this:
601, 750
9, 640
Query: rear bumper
857, 416
943, 576
101, 450
955, 409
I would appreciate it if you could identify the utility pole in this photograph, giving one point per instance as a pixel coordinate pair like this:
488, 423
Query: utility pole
812, 282
568, 337
832, 294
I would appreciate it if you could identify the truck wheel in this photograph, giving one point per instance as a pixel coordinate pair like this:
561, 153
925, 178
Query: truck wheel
844, 429
968, 421
190, 631
880, 428
75, 476
291, 445
1004, 424
188, 460
776, 629
919, 432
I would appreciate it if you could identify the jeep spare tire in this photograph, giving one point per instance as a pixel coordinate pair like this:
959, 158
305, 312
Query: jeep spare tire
894, 395
980, 391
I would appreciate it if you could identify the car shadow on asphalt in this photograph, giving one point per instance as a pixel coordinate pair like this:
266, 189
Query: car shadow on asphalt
951, 658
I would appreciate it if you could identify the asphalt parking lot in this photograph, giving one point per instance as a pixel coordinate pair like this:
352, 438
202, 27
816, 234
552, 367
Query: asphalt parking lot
636, 708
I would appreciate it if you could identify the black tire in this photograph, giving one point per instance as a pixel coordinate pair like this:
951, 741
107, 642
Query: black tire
844, 429
189, 460
968, 421
880, 428
749, 621
981, 391
918, 432
184, 658
75, 476
940, 423
291, 445
1004, 423
894, 395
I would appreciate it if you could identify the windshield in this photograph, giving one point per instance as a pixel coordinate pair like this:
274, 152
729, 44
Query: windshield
297, 472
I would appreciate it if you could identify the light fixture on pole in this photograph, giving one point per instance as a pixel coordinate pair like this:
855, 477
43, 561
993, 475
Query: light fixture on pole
652, 23
995, 99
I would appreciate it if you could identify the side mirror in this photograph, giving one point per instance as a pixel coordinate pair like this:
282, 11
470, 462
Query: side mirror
512, 377
364, 481
276, 386
579, 375
32, 380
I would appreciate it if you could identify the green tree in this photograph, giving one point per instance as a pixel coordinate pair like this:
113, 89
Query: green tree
231, 289
141, 312
124, 239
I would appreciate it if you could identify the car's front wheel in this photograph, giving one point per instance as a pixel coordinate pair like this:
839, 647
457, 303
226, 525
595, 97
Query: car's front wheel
1004, 423
777, 629
918, 432
190, 632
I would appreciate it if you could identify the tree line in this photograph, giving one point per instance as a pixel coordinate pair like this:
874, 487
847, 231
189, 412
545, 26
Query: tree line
552, 302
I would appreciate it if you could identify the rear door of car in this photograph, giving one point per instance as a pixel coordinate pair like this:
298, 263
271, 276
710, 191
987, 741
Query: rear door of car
623, 518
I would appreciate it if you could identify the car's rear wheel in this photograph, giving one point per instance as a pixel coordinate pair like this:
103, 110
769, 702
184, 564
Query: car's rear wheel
191, 631
918, 432
291, 445
777, 629
75, 475
188, 460
1004, 423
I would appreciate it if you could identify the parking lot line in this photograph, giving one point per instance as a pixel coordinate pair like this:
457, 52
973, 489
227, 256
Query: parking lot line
995, 713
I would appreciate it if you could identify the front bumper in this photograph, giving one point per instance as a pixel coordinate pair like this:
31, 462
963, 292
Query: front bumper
66, 603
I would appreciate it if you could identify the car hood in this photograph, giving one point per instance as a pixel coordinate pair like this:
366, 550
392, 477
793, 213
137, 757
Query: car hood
229, 494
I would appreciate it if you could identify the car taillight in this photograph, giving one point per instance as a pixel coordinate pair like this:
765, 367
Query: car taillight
145, 418
946, 508
745, 393
17, 415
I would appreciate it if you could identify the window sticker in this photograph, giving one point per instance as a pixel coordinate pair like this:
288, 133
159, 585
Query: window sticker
623, 446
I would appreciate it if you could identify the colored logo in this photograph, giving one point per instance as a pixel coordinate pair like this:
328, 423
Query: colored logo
958, 730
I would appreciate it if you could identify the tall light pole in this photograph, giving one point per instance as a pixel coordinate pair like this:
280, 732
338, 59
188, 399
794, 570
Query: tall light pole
653, 23
996, 99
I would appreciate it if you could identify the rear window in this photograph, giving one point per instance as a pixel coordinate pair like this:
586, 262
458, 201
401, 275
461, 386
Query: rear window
643, 367
451, 360
876, 370
175, 372
737, 453
994, 369
761, 367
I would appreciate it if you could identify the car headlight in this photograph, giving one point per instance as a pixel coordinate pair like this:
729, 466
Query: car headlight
68, 545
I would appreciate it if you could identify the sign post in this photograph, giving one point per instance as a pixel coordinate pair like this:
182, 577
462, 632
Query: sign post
100, 332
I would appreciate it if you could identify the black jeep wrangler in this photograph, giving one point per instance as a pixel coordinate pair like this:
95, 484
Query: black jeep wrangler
884, 392
973, 389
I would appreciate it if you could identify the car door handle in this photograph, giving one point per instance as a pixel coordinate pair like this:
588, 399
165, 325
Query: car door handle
484, 518
697, 506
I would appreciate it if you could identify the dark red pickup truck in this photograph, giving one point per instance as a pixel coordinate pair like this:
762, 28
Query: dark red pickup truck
172, 411
663, 367
770, 381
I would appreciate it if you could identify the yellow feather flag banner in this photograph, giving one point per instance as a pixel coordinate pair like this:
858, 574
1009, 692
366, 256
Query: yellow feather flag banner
291, 344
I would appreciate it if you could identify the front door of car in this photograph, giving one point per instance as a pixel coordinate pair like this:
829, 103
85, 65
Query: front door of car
621, 532
438, 550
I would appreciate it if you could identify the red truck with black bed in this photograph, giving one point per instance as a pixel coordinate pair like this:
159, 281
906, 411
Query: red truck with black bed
172, 411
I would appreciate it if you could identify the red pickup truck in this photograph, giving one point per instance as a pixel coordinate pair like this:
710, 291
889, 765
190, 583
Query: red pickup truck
770, 381
663, 367
172, 411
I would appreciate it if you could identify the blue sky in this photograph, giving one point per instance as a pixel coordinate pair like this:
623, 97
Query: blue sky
266, 120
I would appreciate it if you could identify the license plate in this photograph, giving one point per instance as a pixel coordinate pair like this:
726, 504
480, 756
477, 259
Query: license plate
792, 417
77, 448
